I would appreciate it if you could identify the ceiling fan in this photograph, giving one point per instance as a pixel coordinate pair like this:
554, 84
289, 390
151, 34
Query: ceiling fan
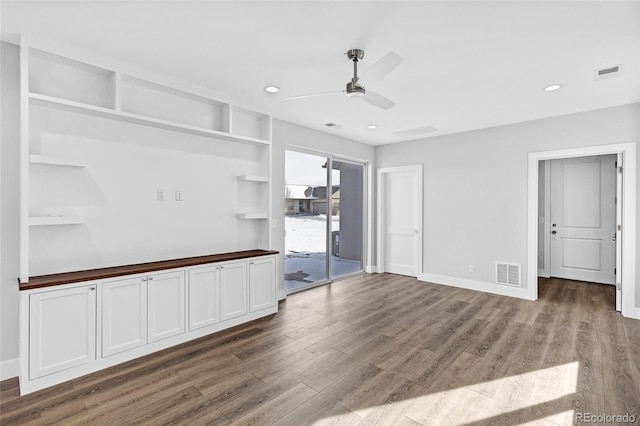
354, 88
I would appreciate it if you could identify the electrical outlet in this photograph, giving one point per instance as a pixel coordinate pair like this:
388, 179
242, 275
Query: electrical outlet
160, 194
179, 195
472, 268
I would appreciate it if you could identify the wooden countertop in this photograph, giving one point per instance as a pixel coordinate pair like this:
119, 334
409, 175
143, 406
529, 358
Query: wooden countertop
115, 271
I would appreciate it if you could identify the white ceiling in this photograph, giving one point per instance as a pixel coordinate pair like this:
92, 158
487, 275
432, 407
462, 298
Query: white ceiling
468, 65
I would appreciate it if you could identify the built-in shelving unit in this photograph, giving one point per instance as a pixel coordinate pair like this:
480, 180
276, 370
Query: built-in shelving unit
249, 178
53, 161
55, 220
53, 79
253, 216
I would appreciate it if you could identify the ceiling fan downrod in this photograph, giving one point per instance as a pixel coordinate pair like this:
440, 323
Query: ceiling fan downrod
353, 89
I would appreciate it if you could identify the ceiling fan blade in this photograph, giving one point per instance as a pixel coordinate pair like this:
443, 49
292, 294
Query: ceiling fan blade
384, 66
377, 100
313, 94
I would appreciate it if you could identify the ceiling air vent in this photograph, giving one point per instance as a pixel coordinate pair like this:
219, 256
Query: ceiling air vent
415, 132
608, 72
508, 273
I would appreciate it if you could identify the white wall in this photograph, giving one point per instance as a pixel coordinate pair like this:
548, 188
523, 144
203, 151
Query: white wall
9, 217
285, 133
125, 166
475, 187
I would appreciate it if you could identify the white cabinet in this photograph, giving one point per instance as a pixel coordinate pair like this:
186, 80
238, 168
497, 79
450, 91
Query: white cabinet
124, 315
62, 330
100, 319
262, 283
204, 296
233, 289
166, 305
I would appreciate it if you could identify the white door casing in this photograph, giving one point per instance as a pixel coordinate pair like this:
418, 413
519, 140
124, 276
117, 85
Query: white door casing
627, 255
583, 219
400, 220
619, 201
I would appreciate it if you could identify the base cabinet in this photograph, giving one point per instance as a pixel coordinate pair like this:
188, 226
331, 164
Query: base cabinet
262, 284
124, 315
62, 330
204, 297
233, 290
75, 329
166, 305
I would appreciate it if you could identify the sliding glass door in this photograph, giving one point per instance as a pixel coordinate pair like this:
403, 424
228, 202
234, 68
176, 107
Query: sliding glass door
324, 219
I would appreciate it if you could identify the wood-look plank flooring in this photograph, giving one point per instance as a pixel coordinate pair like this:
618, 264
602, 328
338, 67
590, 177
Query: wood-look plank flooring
376, 350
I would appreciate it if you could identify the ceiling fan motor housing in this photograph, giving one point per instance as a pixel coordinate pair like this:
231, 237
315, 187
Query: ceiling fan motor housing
353, 89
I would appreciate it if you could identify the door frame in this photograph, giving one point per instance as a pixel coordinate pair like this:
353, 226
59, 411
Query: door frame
381, 197
366, 213
628, 231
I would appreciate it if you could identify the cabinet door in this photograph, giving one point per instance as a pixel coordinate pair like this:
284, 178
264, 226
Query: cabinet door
166, 294
233, 290
124, 315
204, 297
262, 283
62, 330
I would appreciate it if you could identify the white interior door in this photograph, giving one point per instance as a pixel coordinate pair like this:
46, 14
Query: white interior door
401, 219
583, 219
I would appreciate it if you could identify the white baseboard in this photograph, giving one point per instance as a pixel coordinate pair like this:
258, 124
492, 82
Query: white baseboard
281, 295
542, 273
635, 314
9, 369
371, 269
519, 292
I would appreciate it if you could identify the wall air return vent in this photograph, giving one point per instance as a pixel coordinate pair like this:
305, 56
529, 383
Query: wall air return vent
508, 273
608, 72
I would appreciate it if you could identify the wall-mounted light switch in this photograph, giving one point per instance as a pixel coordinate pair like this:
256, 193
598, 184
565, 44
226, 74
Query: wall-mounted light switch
160, 194
179, 195
472, 268
274, 224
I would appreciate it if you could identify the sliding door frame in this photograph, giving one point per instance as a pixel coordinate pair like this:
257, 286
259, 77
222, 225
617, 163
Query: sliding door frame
365, 212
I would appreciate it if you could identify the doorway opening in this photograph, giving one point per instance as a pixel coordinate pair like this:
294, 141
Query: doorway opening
626, 231
324, 219
579, 214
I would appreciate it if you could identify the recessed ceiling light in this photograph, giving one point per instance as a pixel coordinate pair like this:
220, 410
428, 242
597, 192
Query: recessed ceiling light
552, 87
272, 89
372, 126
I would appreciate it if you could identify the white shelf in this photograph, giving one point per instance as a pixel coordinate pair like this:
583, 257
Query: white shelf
249, 178
67, 105
55, 220
253, 216
53, 161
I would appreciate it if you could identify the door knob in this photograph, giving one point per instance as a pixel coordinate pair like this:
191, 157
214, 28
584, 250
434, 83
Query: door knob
553, 232
554, 225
